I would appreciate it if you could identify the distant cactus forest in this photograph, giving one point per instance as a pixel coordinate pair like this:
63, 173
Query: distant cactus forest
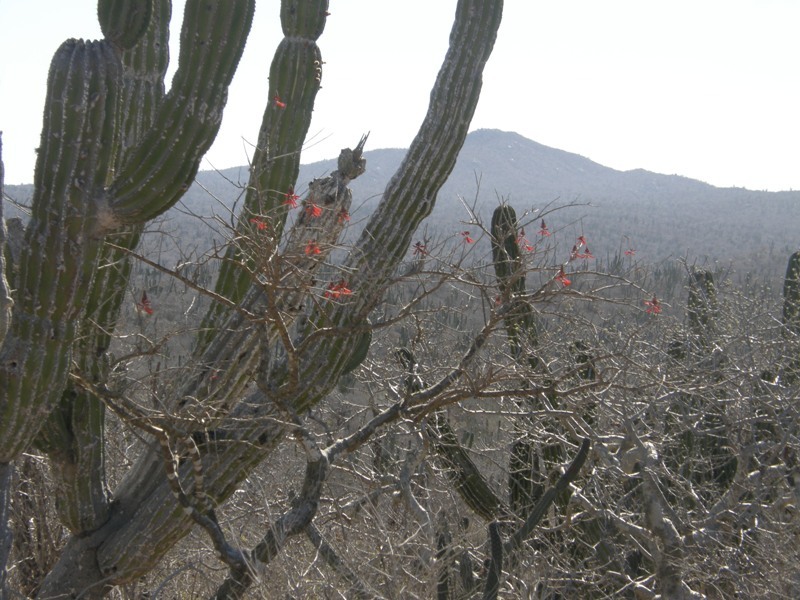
474, 368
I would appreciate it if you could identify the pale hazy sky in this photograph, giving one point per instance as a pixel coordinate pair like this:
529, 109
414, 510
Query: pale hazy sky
708, 89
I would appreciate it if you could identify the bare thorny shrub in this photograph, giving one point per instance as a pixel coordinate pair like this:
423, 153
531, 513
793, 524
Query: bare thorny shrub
690, 488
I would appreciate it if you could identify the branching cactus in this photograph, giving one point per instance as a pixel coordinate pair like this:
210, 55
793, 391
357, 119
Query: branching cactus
78, 199
71, 435
115, 153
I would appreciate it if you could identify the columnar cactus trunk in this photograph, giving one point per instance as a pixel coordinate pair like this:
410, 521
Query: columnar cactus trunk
295, 77
61, 248
6, 303
77, 199
702, 308
6, 469
791, 315
525, 480
73, 436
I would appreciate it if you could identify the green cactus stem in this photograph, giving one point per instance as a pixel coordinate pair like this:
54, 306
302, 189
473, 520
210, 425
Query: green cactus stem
702, 309
6, 302
295, 75
791, 315
791, 295
73, 436
61, 248
162, 166
124, 22
510, 272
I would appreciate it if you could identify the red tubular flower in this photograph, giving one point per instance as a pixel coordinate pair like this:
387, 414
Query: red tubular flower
312, 248
562, 277
335, 290
467, 239
543, 230
420, 249
653, 306
523, 241
259, 222
144, 304
343, 217
278, 102
291, 198
581, 241
630, 252
313, 211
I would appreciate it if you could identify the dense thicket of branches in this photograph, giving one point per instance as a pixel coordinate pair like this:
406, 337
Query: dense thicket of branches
480, 414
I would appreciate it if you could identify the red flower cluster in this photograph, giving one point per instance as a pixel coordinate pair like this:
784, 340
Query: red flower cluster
523, 241
291, 198
312, 248
653, 306
420, 249
467, 239
630, 252
313, 211
259, 222
543, 230
278, 102
576, 249
561, 277
144, 304
343, 217
336, 290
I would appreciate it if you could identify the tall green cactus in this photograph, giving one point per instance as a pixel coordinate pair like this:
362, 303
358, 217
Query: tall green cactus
146, 522
73, 436
61, 243
525, 481
702, 309
78, 198
6, 470
791, 314
510, 272
702, 452
295, 77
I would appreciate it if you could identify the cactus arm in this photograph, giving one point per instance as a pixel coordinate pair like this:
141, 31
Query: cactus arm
163, 164
469, 482
6, 302
411, 193
6, 469
124, 22
791, 316
294, 78
791, 295
73, 435
61, 250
